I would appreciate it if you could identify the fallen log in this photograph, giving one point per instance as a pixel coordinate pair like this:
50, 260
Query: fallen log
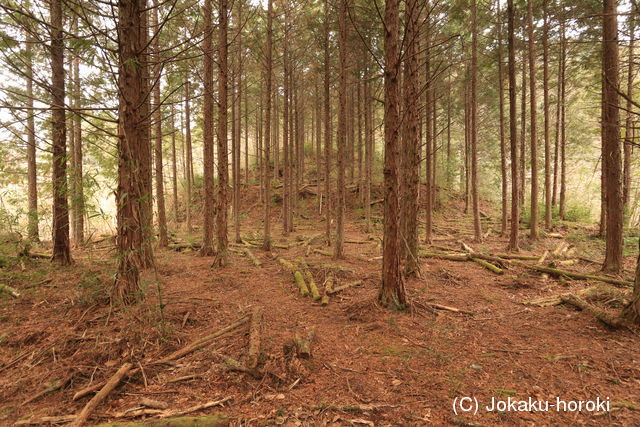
251, 256
574, 275
600, 314
487, 265
83, 416
323, 252
552, 300
328, 288
345, 286
297, 276
311, 283
155, 404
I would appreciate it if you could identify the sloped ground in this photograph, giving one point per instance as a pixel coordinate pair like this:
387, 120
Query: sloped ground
368, 365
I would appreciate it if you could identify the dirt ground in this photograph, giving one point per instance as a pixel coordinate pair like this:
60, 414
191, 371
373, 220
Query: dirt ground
369, 366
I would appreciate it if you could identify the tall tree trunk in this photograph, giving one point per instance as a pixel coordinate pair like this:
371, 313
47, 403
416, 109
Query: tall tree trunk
563, 132
209, 210
428, 95
132, 133
628, 128
368, 152
477, 227
163, 240
189, 151
174, 166
411, 143
286, 137
327, 125
556, 154
611, 133
32, 171
61, 248
318, 137
513, 132
547, 119
392, 292
78, 197
266, 244
223, 160
533, 125
523, 130
359, 134
342, 126
237, 100
146, 252
503, 147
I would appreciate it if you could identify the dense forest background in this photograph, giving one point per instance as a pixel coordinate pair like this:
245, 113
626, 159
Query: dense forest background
371, 208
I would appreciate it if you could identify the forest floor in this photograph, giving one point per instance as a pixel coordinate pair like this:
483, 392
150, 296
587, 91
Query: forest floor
368, 366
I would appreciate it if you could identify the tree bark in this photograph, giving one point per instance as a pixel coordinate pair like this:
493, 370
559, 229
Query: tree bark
547, 120
223, 160
189, 151
628, 128
411, 142
611, 144
513, 133
209, 210
132, 134
428, 95
392, 292
286, 137
563, 131
163, 239
503, 148
342, 127
327, 125
368, 153
174, 167
146, 251
61, 248
266, 243
533, 110
32, 171
523, 130
477, 227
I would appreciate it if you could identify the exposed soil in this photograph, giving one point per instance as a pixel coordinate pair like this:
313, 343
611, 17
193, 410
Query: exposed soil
368, 365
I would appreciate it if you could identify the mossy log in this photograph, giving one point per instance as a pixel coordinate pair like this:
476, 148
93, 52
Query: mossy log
477, 258
311, 283
328, 288
552, 300
252, 257
345, 286
487, 265
574, 275
445, 256
4, 289
323, 252
302, 286
600, 314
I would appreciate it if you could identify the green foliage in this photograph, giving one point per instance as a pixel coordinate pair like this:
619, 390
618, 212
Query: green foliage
94, 288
